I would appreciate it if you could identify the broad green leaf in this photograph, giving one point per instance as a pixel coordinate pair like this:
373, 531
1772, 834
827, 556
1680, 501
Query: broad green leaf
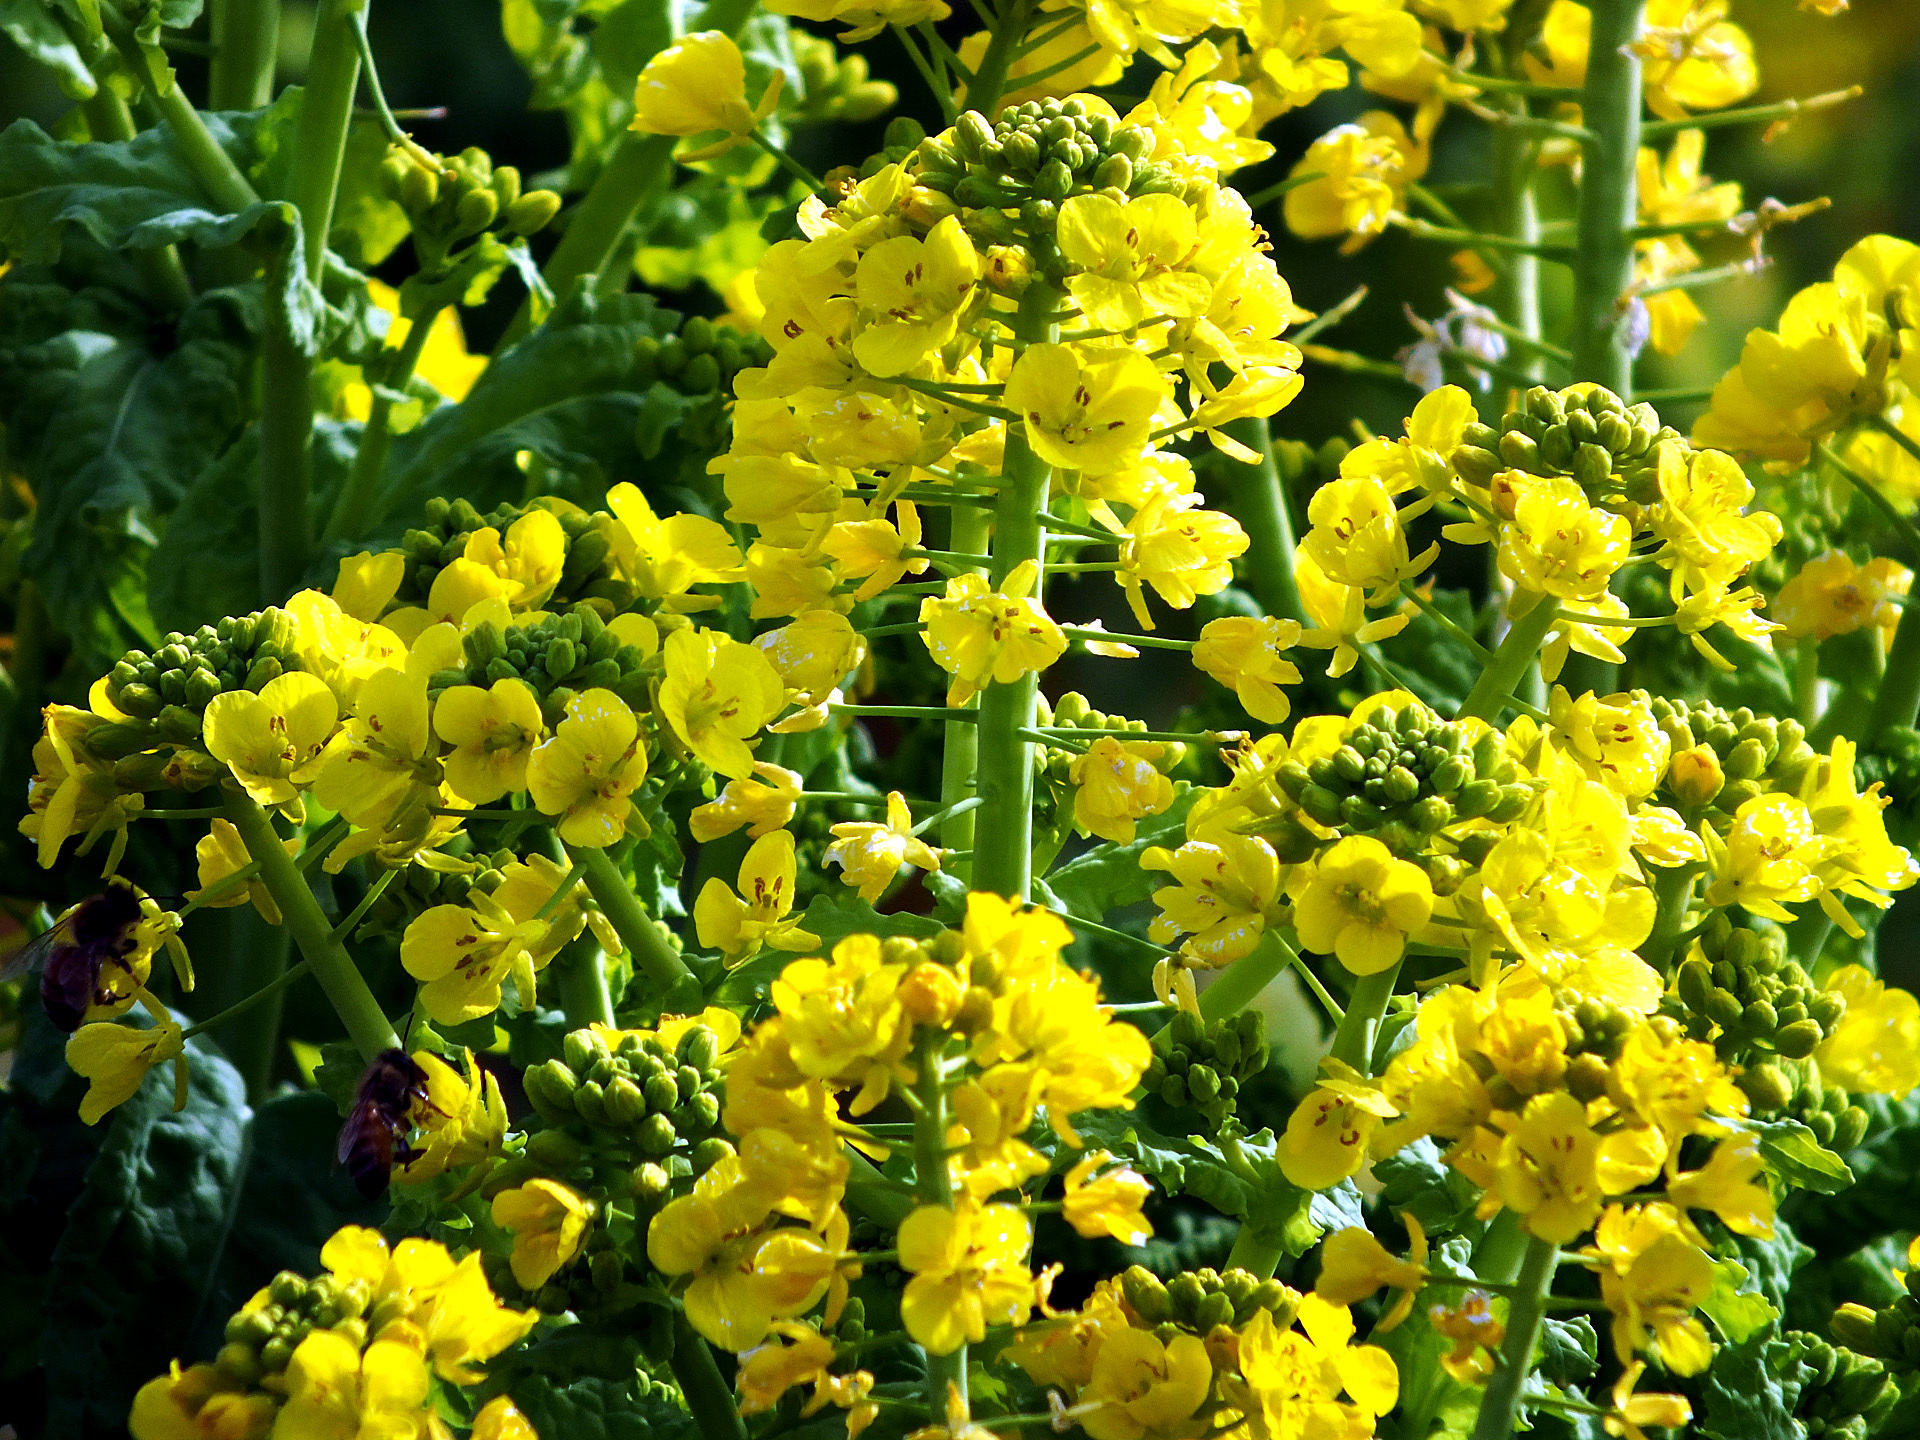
1796, 1157
1569, 1350
30, 24
595, 1408
129, 1272
1745, 1395
841, 912
1772, 1263
1413, 1179
1735, 1306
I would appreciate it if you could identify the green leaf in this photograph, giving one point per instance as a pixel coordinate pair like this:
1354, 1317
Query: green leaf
129, 1272
1569, 1350
1797, 1158
30, 25
593, 1408
1735, 1305
1109, 876
1746, 1397
338, 1074
109, 429
841, 912
1772, 1263
1414, 1179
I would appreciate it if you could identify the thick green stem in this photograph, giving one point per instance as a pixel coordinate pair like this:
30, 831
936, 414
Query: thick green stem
1673, 895
1254, 1255
960, 753
1609, 203
320, 138
1516, 289
1898, 700
933, 1182
990, 75
286, 427
1003, 832
345, 988
708, 1395
1508, 668
1499, 1407
646, 946
246, 42
1260, 504
1243, 980
1353, 1041
580, 975
356, 509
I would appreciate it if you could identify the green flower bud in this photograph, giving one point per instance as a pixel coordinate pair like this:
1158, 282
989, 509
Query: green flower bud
1853, 1326
655, 1136
1766, 1086
1146, 1295
532, 212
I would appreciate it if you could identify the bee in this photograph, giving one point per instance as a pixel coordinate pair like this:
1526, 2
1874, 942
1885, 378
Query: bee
374, 1138
93, 955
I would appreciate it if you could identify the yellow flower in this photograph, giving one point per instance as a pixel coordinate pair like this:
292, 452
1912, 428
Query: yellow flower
1476, 1333
272, 741
493, 733
1353, 1265
1695, 58
1358, 537
1765, 858
1876, 1045
969, 1271
1556, 543
1632, 1414
336, 1393
1364, 171
587, 771
1226, 886
1339, 615
813, 654
763, 802
1182, 551
381, 753
718, 693
1546, 1170
1109, 1204
870, 853
464, 953
464, 1119
220, 853
73, 791
1830, 595
1144, 1389
1131, 259
114, 1060
1729, 1185
193, 1404
979, 635
1090, 410
339, 649
1242, 652
1653, 1279
843, 1018
443, 1310
501, 1419
549, 1223
697, 86
1118, 785
915, 289
665, 559
738, 926
365, 583
1359, 903
1327, 1134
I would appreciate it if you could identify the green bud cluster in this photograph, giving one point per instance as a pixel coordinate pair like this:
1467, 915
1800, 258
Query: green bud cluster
1610, 448
701, 360
167, 692
260, 1341
1843, 1394
1782, 1089
464, 196
1199, 1300
835, 86
1890, 1335
448, 524
1595, 1032
1203, 1063
657, 1099
1402, 777
1008, 176
1757, 753
1742, 992
557, 657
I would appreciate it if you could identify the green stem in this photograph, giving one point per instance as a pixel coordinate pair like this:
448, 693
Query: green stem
1609, 203
271, 990
1003, 834
1516, 290
1245, 978
1499, 1407
286, 427
1753, 114
357, 508
257, 961
320, 137
246, 43
1897, 702
990, 82
1260, 504
1673, 894
933, 1183
1359, 1028
580, 973
1494, 689
345, 987
646, 946
1806, 681
707, 1393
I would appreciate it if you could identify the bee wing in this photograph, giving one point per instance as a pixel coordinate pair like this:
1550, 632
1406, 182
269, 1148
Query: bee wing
31, 955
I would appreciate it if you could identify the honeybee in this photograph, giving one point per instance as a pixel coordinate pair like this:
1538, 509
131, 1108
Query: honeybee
374, 1137
93, 956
